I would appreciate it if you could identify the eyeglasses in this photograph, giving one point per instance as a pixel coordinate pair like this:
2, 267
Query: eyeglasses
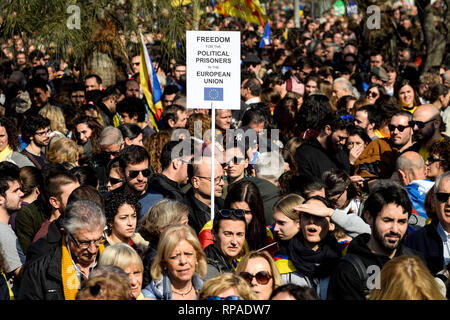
400, 127
234, 160
334, 201
43, 133
347, 117
420, 124
134, 173
442, 196
216, 179
114, 181
223, 298
84, 244
432, 159
262, 277
239, 213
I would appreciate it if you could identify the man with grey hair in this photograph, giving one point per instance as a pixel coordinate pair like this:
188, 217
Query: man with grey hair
111, 142
343, 87
433, 241
58, 274
412, 172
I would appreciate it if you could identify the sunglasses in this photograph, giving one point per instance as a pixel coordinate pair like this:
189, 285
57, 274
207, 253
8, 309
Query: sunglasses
226, 213
419, 124
442, 196
372, 94
114, 181
262, 277
400, 127
235, 160
134, 173
223, 298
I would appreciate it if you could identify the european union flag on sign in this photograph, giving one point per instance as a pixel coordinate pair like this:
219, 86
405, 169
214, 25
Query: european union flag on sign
213, 94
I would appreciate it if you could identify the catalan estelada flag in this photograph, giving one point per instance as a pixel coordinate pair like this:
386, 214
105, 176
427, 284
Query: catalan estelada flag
150, 85
249, 10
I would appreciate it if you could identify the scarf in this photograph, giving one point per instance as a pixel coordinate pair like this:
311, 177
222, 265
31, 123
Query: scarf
314, 264
70, 280
5, 153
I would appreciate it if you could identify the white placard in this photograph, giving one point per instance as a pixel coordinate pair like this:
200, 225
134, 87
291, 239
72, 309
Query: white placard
213, 69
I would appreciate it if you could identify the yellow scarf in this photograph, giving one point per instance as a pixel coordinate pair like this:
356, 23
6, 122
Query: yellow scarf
69, 275
5, 152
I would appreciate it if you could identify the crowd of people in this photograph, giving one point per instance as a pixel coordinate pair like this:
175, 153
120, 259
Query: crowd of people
331, 182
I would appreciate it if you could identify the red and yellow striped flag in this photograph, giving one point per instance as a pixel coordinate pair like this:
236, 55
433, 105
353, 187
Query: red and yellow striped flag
150, 85
249, 10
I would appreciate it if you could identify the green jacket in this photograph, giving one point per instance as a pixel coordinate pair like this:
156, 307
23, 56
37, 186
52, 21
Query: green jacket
28, 222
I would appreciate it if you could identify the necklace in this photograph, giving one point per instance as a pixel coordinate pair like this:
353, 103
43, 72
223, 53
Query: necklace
184, 294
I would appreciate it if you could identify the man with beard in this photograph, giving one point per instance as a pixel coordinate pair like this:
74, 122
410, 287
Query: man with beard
427, 126
36, 132
325, 152
377, 160
10, 201
386, 210
135, 169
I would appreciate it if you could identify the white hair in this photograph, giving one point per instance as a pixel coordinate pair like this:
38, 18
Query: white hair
269, 165
347, 84
110, 135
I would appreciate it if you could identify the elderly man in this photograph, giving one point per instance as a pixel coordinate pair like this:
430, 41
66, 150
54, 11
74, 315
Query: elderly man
199, 196
58, 275
427, 126
412, 172
343, 87
433, 240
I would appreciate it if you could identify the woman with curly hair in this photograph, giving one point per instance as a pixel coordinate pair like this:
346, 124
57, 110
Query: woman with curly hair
9, 143
154, 145
86, 133
122, 211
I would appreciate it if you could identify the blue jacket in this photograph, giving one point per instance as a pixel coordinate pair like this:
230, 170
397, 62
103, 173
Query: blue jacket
161, 289
428, 242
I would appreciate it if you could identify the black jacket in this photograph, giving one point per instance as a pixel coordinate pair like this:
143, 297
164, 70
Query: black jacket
47, 243
428, 242
168, 188
199, 212
41, 278
216, 262
313, 160
345, 283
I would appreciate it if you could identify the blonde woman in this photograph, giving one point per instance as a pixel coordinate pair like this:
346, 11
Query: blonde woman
163, 214
259, 270
57, 121
64, 150
125, 257
227, 286
178, 267
406, 278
